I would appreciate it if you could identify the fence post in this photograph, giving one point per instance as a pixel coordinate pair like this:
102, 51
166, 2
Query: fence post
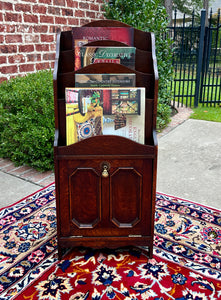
200, 56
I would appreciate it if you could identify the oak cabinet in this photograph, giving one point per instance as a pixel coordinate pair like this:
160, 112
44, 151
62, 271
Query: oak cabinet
105, 185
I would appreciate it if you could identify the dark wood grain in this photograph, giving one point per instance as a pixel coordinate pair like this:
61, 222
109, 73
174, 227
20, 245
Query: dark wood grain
116, 210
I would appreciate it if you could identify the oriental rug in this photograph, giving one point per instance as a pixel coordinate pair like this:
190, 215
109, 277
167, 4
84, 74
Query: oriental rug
186, 262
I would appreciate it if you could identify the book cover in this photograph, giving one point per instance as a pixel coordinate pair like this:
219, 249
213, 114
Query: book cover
118, 55
105, 80
84, 35
105, 111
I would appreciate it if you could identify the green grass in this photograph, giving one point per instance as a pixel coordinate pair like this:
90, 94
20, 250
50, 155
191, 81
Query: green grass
207, 113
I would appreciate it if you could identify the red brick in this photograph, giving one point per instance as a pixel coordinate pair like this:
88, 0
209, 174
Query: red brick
13, 39
33, 57
3, 60
49, 56
8, 48
73, 22
24, 28
47, 38
52, 65
10, 17
31, 38
59, 2
40, 176
54, 29
83, 5
42, 47
26, 68
20, 170
6, 6
1, 17
94, 7
54, 10
15, 59
90, 14
72, 3
3, 79
67, 12
26, 48
99, 16
23, 7
60, 20
66, 28
9, 69
41, 28
39, 9
42, 66
7, 28
47, 19
31, 18
83, 22
2, 39
79, 13
45, 1
53, 47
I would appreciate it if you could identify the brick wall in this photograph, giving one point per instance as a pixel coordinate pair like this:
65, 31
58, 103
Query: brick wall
28, 31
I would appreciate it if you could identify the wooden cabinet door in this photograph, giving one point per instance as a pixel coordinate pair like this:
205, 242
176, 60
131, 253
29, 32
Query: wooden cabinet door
119, 204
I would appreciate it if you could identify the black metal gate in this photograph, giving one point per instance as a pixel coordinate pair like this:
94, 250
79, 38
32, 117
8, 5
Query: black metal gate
196, 61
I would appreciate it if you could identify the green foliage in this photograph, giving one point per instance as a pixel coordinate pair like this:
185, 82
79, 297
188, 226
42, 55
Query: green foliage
27, 120
149, 16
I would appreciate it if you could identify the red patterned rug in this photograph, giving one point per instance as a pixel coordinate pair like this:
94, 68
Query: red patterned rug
186, 262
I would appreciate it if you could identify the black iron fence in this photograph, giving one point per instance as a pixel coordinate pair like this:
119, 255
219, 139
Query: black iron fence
197, 60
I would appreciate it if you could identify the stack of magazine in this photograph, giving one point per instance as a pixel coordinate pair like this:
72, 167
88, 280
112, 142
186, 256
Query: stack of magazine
104, 104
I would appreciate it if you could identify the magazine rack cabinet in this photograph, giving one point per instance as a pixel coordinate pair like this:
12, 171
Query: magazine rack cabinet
105, 185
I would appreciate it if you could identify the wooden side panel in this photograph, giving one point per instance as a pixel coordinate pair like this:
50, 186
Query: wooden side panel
125, 197
85, 197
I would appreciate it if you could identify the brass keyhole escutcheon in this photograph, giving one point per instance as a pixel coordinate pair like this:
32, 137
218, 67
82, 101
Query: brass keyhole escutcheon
105, 168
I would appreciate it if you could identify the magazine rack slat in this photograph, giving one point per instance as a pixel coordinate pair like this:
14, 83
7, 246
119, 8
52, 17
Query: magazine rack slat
105, 185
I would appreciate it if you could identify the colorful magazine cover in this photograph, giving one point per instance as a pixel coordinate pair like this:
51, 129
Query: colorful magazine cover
84, 35
105, 80
105, 111
118, 55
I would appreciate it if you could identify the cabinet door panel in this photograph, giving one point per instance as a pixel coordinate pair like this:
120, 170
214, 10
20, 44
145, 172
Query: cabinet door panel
125, 197
85, 204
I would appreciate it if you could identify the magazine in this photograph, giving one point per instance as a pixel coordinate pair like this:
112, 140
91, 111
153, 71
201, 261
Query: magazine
105, 111
105, 80
118, 55
84, 35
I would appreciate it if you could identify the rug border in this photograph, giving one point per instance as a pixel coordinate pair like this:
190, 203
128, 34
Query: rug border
41, 189
193, 202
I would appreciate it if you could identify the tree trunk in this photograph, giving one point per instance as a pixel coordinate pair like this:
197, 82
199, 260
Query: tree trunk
169, 8
206, 7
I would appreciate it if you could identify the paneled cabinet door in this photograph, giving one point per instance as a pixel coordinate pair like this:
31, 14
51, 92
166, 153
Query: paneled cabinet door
106, 198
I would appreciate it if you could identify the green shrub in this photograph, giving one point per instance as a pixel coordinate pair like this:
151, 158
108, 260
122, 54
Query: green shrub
149, 16
27, 120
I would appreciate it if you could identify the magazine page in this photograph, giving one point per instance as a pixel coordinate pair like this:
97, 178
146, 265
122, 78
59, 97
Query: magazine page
105, 111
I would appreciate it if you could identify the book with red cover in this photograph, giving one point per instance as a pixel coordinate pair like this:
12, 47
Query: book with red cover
84, 35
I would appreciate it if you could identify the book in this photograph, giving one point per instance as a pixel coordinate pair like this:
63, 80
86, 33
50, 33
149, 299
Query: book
105, 111
105, 80
84, 35
118, 55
